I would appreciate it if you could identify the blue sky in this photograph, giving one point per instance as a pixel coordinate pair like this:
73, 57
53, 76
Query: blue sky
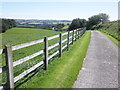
58, 10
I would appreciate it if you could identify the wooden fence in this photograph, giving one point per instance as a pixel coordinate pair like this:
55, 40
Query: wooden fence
9, 59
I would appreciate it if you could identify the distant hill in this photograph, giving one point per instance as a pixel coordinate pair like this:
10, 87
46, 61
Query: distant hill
57, 25
41, 21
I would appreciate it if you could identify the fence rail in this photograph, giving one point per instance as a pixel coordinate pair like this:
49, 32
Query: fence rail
9, 60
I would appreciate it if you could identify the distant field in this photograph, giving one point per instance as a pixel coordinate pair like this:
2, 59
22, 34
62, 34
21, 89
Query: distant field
62, 22
25, 26
65, 27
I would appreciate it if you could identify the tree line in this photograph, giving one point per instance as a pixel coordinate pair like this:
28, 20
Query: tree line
7, 24
93, 20
50, 26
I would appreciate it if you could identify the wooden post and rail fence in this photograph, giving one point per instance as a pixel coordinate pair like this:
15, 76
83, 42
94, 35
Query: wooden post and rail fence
9, 58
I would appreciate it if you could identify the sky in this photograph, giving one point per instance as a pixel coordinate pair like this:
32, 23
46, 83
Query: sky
57, 10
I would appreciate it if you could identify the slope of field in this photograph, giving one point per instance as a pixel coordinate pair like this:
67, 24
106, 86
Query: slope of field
16, 36
25, 26
110, 28
62, 71
65, 27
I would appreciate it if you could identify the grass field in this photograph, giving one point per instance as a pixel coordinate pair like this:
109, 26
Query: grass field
25, 26
65, 27
17, 36
62, 71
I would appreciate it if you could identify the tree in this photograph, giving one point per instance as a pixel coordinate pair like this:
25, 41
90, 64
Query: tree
104, 17
7, 24
97, 19
77, 23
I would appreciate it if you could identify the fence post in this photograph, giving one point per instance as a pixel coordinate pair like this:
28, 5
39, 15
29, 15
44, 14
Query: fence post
46, 53
68, 40
82, 31
73, 37
9, 64
60, 45
79, 34
76, 35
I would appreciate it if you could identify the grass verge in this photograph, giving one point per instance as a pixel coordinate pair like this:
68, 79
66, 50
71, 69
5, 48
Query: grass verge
62, 71
113, 39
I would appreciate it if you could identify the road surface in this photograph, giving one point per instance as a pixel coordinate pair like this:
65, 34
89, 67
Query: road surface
100, 67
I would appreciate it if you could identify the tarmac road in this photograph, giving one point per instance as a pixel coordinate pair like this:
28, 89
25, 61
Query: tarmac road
100, 67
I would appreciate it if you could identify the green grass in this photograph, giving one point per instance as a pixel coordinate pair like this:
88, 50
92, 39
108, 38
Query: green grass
17, 36
112, 38
25, 26
62, 71
65, 27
